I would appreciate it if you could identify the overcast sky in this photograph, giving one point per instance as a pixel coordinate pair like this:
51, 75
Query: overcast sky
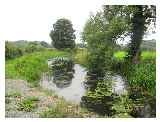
33, 19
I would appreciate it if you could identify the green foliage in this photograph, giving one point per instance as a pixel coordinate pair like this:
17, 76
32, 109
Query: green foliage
62, 34
96, 63
28, 104
80, 56
95, 33
45, 44
141, 19
100, 33
122, 106
33, 47
11, 51
19, 48
100, 100
119, 55
29, 67
144, 75
146, 55
13, 94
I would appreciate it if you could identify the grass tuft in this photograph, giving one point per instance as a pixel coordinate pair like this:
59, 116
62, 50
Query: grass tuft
28, 104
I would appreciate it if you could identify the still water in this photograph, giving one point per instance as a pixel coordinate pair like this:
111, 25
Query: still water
73, 91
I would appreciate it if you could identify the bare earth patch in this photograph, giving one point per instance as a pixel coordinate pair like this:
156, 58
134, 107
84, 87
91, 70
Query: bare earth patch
25, 91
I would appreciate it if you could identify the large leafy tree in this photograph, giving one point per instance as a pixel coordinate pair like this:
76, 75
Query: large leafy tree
137, 19
101, 32
62, 34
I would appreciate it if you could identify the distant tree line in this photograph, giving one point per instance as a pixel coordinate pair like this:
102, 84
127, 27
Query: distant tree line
19, 48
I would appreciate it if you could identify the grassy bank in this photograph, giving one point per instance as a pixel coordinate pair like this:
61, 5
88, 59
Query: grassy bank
29, 67
140, 75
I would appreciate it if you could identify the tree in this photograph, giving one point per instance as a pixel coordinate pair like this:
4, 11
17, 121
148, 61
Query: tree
142, 17
137, 19
62, 34
12, 51
45, 44
101, 32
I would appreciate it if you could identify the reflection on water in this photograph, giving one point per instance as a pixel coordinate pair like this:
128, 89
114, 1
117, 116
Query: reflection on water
119, 85
72, 90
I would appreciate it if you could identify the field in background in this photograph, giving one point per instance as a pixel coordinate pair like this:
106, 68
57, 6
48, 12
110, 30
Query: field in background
145, 55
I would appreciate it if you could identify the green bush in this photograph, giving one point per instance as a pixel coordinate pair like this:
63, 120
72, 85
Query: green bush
11, 51
16, 49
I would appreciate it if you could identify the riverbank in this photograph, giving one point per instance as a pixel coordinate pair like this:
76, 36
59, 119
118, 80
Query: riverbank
22, 100
20, 94
31, 67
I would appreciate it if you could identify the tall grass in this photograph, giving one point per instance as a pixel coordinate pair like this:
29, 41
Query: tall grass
29, 67
140, 75
80, 57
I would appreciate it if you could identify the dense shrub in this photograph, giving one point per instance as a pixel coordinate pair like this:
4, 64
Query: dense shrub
11, 51
19, 48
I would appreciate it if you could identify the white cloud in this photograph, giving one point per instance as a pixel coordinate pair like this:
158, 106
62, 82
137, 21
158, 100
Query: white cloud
33, 19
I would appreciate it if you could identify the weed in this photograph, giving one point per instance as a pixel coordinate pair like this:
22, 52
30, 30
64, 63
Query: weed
28, 104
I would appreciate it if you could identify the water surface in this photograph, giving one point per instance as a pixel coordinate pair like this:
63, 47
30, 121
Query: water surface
75, 88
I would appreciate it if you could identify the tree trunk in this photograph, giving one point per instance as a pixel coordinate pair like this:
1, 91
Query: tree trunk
138, 28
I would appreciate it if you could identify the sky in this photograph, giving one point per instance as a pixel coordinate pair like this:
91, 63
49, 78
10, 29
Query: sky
33, 19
